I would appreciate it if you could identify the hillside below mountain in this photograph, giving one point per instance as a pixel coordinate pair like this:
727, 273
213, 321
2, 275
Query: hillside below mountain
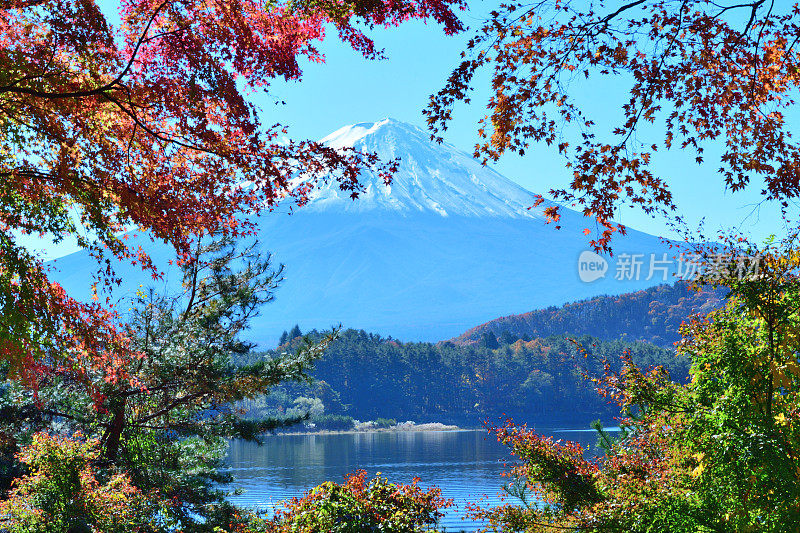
526, 366
366, 376
651, 315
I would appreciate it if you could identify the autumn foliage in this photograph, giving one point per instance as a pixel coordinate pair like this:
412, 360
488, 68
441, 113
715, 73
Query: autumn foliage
692, 74
63, 492
141, 117
147, 123
721, 453
358, 505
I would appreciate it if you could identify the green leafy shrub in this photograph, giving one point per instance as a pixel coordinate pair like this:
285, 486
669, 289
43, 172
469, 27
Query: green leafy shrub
385, 422
65, 492
720, 453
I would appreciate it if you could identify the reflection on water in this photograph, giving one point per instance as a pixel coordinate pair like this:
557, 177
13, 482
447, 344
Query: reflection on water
466, 465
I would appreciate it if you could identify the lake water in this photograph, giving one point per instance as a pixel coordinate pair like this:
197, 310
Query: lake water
466, 465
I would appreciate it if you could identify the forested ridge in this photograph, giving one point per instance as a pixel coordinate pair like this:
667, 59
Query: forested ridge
367, 376
527, 366
652, 315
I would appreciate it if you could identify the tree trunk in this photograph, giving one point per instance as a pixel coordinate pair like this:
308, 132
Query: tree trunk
114, 432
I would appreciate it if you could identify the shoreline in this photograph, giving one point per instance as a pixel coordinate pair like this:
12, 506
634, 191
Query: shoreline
400, 428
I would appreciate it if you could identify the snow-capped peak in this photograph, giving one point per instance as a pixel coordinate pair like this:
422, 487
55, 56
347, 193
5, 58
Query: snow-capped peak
348, 136
434, 178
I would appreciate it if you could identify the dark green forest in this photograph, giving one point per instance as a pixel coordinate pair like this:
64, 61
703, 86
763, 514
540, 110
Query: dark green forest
366, 376
527, 366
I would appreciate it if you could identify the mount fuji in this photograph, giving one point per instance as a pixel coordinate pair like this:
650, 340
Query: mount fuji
448, 245
433, 179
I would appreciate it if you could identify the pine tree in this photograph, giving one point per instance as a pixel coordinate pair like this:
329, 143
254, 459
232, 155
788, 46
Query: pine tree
488, 340
167, 427
508, 338
295, 332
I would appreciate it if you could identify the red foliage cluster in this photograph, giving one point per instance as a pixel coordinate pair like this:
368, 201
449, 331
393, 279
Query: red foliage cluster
148, 125
709, 74
563, 476
361, 505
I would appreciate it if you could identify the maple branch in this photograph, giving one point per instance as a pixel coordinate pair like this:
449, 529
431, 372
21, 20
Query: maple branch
753, 10
758, 41
724, 9
26, 172
791, 47
195, 271
129, 148
664, 56
623, 8
154, 133
53, 412
165, 33
512, 22
12, 87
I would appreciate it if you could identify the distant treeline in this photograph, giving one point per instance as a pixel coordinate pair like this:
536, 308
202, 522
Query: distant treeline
652, 315
366, 376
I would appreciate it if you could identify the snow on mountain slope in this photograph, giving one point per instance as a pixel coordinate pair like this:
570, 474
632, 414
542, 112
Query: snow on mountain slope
432, 178
449, 245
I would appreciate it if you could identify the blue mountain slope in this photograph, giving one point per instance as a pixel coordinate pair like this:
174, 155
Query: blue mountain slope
449, 245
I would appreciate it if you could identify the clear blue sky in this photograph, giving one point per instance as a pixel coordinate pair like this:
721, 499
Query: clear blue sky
348, 89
